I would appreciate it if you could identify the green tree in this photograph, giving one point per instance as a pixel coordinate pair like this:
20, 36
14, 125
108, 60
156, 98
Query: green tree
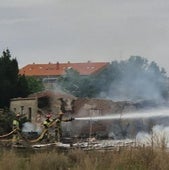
11, 83
22, 86
87, 87
80, 86
8, 78
34, 85
70, 81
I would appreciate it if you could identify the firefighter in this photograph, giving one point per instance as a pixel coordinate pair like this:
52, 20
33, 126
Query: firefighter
58, 127
47, 123
16, 125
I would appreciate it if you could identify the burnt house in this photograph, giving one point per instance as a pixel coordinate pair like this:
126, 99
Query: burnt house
36, 105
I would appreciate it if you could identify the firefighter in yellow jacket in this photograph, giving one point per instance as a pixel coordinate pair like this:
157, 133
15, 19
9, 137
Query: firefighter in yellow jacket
47, 123
58, 127
16, 126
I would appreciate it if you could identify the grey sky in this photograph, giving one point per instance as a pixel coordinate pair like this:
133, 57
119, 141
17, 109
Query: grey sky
43, 31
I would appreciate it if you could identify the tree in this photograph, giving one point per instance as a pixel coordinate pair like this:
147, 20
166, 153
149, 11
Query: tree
34, 85
70, 82
22, 87
8, 78
11, 83
80, 86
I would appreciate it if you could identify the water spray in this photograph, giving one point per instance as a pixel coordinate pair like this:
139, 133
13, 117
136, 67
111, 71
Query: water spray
133, 115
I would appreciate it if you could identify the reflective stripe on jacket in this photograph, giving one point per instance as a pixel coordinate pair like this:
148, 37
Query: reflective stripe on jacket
47, 122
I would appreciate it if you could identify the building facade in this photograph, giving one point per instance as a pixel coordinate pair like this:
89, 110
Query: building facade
25, 106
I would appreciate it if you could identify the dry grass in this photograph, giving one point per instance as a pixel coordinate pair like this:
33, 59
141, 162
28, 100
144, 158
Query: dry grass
130, 159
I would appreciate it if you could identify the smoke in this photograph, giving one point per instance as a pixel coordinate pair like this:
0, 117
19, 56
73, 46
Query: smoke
159, 136
30, 127
134, 89
134, 80
144, 138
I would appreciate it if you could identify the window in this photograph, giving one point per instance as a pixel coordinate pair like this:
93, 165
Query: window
22, 110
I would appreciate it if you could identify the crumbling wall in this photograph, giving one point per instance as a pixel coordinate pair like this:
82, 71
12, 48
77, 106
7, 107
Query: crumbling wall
83, 106
121, 128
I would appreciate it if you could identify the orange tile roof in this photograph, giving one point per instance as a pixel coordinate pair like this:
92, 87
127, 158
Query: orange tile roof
59, 68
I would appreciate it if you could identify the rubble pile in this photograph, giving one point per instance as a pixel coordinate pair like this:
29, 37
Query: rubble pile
106, 144
92, 144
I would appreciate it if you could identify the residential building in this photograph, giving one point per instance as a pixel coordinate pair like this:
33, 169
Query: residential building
50, 72
58, 69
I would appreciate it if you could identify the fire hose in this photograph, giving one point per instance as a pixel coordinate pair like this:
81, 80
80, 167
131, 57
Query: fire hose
8, 134
27, 140
30, 141
34, 140
42, 134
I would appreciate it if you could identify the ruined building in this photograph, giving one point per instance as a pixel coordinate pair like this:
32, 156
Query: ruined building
36, 105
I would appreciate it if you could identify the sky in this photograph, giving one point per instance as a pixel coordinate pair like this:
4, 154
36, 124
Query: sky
43, 31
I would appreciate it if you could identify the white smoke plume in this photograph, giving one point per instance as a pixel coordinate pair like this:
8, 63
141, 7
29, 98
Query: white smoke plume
159, 137
30, 127
135, 79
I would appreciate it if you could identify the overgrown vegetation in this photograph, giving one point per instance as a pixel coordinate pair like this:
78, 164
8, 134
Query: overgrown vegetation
6, 119
132, 79
130, 159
